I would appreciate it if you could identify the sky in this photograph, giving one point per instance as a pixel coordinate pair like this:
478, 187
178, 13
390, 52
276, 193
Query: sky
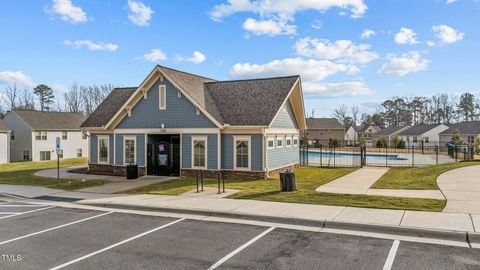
353, 52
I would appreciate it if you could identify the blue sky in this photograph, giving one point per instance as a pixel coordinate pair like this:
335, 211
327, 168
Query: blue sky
408, 47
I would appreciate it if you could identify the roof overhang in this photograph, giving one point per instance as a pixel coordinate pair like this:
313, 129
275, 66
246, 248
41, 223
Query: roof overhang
295, 96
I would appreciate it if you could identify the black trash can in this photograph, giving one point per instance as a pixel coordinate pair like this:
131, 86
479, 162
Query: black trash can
287, 182
132, 171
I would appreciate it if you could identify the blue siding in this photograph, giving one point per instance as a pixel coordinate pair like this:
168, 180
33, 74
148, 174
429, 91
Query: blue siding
140, 151
94, 148
179, 113
227, 151
285, 118
284, 156
212, 150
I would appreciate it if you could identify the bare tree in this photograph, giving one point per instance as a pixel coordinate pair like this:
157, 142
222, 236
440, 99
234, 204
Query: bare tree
26, 101
93, 95
355, 112
73, 99
341, 113
11, 96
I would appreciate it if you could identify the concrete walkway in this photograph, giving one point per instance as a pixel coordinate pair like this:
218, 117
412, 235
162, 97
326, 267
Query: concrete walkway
118, 184
360, 181
462, 190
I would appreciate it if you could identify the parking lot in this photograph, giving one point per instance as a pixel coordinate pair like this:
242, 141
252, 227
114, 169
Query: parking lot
46, 237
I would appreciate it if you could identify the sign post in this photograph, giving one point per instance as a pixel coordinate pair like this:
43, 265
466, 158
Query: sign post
57, 151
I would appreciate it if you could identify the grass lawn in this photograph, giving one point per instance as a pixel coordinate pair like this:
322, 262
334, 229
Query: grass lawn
308, 178
417, 178
21, 173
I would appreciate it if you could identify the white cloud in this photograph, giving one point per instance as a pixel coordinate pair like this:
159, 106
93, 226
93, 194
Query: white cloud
60, 88
269, 27
367, 33
196, 58
155, 55
447, 34
317, 24
139, 13
285, 8
16, 77
308, 69
450, 1
92, 46
430, 43
342, 50
404, 64
68, 12
406, 36
331, 90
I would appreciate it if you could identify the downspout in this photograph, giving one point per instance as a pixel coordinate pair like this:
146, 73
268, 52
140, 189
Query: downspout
264, 159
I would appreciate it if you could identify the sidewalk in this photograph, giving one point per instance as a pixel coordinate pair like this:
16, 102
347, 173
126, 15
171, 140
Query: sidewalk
462, 190
360, 181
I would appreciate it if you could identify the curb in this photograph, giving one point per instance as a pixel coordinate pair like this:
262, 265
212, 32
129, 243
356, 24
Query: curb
456, 236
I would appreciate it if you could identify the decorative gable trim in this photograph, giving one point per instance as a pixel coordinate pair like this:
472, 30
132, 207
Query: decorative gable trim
295, 97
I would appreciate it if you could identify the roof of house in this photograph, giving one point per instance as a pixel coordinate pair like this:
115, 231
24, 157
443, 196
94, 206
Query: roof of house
3, 128
109, 106
364, 129
390, 130
253, 102
419, 129
38, 120
470, 128
324, 123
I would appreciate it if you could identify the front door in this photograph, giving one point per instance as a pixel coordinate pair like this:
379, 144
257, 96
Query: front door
163, 155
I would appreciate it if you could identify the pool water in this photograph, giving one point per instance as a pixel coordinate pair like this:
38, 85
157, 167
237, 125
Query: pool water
372, 157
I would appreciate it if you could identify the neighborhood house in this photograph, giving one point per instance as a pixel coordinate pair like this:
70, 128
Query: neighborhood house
4, 143
426, 135
468, 131
34, 135
177, 123
324, 130
388, 133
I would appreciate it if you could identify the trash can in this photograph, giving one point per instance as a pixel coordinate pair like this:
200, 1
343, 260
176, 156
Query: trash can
287, 181
132, 171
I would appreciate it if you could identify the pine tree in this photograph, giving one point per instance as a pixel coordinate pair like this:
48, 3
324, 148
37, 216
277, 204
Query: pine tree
45, 96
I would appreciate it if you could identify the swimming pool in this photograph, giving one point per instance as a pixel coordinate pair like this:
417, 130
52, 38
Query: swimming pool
371, 157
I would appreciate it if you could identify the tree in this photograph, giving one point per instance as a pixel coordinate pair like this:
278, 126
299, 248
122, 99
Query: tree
401, 144
382, 142
11, 96
93, 95
361, 141
341, 113
45, 96
73, 99
355, 111
395, 141
456, 139
25, 101
466, 106
477, 145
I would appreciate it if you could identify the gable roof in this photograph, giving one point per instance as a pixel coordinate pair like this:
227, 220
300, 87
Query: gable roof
252, 102
390, 130
3, 128
38, 120
468, 128
419, 129
364, 129
323, 123
109, 106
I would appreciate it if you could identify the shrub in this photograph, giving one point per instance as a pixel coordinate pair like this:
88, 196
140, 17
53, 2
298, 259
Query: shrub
382, 142
477, 145
333, 142
401, 144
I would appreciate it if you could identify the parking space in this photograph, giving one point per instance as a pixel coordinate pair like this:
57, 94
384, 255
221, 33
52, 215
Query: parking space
64, 238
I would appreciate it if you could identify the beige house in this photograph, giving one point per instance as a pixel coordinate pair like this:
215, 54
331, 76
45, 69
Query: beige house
324, 129
4, 143
367, 133
388, 133
469, 131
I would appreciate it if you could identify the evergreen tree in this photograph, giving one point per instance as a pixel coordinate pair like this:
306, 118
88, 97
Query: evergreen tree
45, 96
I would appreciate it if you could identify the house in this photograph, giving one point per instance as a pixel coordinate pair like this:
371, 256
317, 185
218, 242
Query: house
367, 133
388, 133
5, 134
34, 135
177, 123
426, 135
351, 136
469, 131
324, 129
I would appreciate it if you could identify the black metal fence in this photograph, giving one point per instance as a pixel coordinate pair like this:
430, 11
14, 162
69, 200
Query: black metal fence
336, 155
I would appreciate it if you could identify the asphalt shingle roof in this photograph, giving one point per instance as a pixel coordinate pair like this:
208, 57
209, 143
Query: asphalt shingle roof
468, 128
323, 123
3, 128
419, 129
38, 120
389, 130
109, 107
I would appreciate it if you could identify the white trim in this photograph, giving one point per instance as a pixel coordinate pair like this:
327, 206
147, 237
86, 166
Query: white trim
282, 140
293, 141
242, 138
181, 150
283, 104
219, 150
282, 131
287, 138
271, 139
199, 138
162, 97
134, 138
107, 137
168, 130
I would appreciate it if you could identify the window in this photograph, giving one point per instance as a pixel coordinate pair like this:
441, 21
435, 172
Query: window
103, 149
84, 136
162, 94
415, 139
199, 152
426, 139
295, 141
64, 135
60, 155
26, 155
44, 155
12, 136
79, 152
288, 141
41, 135
129, 144
471, 139
270, 143
242, 153
279, 142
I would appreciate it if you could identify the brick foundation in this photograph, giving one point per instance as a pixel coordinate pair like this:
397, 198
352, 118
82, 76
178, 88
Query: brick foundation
106, 169
242, 175
275, 173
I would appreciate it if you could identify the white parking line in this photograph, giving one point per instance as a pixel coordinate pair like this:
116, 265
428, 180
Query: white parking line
9, 213
242, 247
391, 255
53, 228
115, 245
27, 212
22, 205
